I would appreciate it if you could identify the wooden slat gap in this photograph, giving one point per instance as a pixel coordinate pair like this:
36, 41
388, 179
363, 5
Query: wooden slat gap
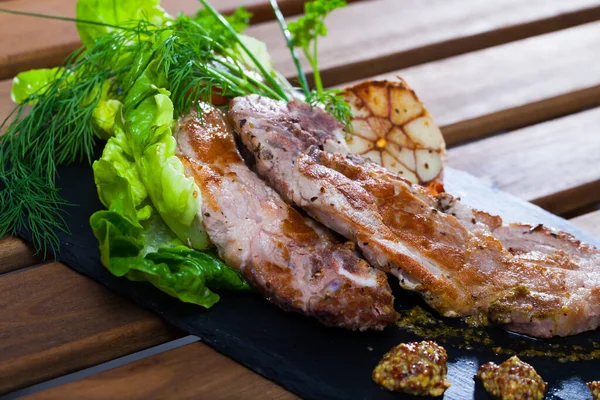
290, 8
16, 254
550, 164
521, 116
54, 321
437, 51
565, 201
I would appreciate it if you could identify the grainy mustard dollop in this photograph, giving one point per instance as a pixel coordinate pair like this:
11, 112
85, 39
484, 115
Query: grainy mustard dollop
512, 380
595, 389
414, 368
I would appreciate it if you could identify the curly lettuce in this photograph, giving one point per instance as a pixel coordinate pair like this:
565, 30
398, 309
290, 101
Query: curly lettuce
135, 243
112, 13
32, 82
152, 230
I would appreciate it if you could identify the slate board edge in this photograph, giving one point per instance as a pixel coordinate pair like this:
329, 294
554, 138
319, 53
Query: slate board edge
271, 367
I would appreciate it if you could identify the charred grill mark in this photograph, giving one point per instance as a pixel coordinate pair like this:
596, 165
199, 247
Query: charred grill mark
536, 228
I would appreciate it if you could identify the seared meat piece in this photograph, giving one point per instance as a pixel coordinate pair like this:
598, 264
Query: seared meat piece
462, 261
293, 261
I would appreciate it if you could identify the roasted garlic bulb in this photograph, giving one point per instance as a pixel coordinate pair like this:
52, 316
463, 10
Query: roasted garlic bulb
392, 127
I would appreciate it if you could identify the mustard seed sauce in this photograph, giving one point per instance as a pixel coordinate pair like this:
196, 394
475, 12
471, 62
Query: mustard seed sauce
414, 368
512, 380
471, 335
595, 389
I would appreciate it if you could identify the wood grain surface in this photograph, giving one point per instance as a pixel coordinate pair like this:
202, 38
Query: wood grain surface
194, 371
554, 164
27, 42
369, 38
397, 34
54, 321
15, 254
6, 104
510, 86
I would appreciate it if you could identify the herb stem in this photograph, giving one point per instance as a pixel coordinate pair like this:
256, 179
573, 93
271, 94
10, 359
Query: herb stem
262, 69
316, 73
250, 79
56, 17
288, 39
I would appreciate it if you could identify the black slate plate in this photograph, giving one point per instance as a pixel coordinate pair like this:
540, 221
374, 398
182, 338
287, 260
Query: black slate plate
311, 360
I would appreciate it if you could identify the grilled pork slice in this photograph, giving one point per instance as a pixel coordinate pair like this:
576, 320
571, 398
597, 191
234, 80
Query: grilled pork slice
293, 261
463, 262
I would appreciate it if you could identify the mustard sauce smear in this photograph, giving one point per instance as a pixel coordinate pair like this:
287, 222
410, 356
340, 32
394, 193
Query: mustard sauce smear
469, 336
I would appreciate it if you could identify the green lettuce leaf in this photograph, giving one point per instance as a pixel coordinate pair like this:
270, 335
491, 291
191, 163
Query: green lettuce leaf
238, 20
152, 230
106, 112
113, 12
147, 120
136, 243
34, 81
259, 49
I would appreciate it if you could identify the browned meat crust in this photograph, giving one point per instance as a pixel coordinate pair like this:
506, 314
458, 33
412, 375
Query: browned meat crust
293, 261
460, 260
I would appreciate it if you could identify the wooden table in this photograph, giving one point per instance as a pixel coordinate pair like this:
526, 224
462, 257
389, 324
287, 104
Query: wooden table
515, 84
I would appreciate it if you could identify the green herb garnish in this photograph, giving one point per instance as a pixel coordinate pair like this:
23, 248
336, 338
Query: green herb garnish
304, 34
56, 124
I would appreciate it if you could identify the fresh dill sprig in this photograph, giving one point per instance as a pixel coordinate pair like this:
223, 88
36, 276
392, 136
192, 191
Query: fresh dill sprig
55, 126
333, 101
48, 130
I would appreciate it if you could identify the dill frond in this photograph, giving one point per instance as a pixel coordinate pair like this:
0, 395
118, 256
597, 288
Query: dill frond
335, 104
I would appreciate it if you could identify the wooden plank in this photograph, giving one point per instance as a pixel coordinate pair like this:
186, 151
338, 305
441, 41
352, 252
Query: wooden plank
15, 254
397, 34
590, 222
370, 38
413, 41
510, 86
6, 104
26, 42
54, 321
194, 371
553, 164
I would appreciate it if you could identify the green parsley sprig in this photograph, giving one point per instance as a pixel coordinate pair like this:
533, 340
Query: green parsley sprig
303, 34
